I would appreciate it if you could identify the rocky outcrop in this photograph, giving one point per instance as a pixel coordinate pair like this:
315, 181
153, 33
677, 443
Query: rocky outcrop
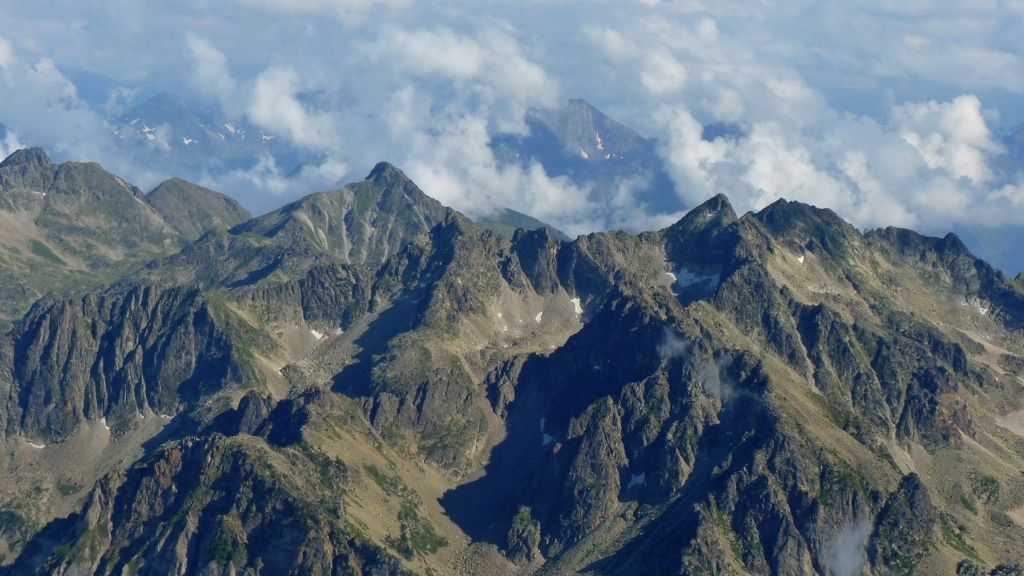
128, 352
211, 506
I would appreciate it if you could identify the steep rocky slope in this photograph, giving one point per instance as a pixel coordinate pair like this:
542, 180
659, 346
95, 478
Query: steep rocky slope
74, 225
769, 393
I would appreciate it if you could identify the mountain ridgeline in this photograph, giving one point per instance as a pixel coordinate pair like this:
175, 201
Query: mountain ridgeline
367, 382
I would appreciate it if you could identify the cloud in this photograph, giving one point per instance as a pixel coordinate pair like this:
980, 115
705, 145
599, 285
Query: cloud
9, 144
6, 53
672, 346
488, 71
267, 176
211, 75
425, 53
456, 166
274, 106
662, 73
883, 112
952, 136
349, 11
847, 555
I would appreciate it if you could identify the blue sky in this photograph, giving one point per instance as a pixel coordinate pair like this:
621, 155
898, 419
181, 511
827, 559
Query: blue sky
891, 113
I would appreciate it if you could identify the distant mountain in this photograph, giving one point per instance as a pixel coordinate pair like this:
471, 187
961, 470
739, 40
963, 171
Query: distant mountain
578, 141
506, 222
179, 136
192, 210
365, 381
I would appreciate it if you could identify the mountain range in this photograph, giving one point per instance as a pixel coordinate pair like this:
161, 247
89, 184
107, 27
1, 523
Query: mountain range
365, 381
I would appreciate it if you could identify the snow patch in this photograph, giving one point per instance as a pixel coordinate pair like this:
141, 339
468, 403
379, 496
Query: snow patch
40, 194
500, 316
317, 334
36, 446
538, 317
672, 277
576, 306
338, 331
637, 480
166, 416
600, 142
800, 259
685, 279
545, 437
187, 141
104, 422
584, 155
231, 127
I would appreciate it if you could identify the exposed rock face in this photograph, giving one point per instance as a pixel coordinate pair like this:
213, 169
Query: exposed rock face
362, 223
122, 354
773, 393
905, 528
211, 506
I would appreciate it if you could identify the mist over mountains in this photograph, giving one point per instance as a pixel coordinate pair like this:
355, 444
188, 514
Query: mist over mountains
856, 118
394, 287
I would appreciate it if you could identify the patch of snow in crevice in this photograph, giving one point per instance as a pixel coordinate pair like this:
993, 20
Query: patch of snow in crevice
600, 142
500, 316
576, 306
40, 194
36, 446
545, 437
538, 317
166, 416
800, 259
637, 480
317, 334
685, 279
140, 416
584, 155
338, 331
103, 421
187, 141
504, 328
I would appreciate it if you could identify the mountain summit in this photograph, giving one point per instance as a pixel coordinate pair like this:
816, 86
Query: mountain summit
365, 381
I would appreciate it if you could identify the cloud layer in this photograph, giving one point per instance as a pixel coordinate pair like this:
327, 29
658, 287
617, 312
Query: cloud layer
888, 113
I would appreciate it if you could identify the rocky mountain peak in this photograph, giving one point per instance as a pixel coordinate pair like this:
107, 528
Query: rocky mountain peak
192, 210
386, 172
27, 157
807, 227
